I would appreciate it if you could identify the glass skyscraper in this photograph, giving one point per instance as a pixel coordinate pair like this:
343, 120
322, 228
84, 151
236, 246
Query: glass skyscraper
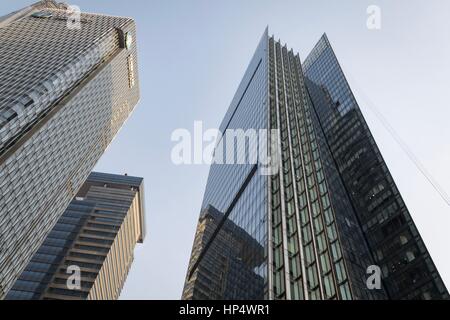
67, 84
331, 212
96, 234
395, 244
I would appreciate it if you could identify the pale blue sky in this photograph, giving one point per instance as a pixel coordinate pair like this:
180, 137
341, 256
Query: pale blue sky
192, 55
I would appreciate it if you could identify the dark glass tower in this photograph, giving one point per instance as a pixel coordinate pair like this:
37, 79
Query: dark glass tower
97, 234
395, 244
329, 213
64, 94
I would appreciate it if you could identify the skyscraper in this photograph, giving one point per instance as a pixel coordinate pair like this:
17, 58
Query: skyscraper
332, 211
95, 236
67, 84
408, 271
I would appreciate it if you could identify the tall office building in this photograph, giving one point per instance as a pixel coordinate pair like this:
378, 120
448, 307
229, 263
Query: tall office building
408, 271
95, 236
332, 211
67, 84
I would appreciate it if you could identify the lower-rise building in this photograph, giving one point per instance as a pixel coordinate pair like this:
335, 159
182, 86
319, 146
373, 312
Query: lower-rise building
89, 251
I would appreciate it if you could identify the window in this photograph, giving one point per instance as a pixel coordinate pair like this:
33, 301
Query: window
340, 272
328, 216
312, 276
325, 201
295, 267
302, 200
291, 225
309, 254
321, 243
313, 194
279, 283
318, 226
277, 235
331, 232
131, 77
296, 290
304, 216
329, 286
42, 14
345, 291
322, 188
410, 256
278, 257
426, 296
325, 263
290, 208
403, 239
306, 232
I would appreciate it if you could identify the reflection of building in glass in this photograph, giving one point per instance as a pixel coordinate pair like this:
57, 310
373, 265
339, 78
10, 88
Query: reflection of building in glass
64, 94
227, 269
97, 234
329, 213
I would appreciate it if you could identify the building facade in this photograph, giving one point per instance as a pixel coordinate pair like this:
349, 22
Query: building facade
221, 267
408, 271
95, 237
67, 84
315, 219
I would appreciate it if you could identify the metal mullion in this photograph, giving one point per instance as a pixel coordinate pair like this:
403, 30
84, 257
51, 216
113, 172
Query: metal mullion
281, 172
294, 183
307, 190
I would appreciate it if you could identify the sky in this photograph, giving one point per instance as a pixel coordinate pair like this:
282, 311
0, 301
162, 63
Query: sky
192, 55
